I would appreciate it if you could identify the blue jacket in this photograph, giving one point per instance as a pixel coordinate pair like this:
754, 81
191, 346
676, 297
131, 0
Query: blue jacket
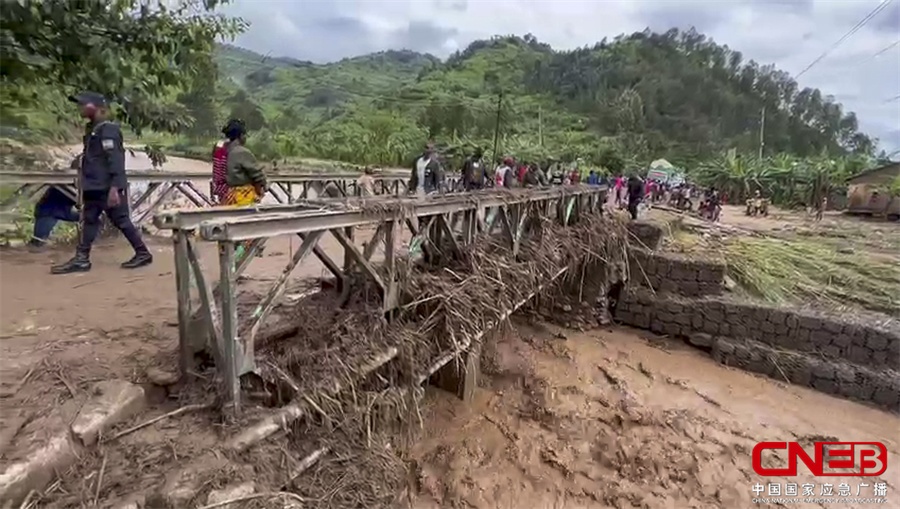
103, 159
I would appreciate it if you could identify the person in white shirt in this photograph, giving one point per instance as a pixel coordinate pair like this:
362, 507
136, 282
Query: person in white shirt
427, 174
365, 184
503, 175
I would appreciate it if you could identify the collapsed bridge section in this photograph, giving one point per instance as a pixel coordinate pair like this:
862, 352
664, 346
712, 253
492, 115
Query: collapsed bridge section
529, 231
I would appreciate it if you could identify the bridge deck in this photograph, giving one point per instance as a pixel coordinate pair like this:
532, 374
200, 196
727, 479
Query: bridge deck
150, 190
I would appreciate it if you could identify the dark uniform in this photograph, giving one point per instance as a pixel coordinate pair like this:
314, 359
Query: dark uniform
635, 193
474, 173
103, 168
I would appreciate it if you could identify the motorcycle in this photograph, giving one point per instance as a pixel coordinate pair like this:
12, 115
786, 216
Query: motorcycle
757, 207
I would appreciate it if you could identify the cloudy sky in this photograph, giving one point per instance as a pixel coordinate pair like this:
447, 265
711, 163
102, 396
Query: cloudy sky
788, 33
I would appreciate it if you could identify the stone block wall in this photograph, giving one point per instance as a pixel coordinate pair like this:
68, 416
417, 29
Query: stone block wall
829, 376
646, 234
670, 273
836, 341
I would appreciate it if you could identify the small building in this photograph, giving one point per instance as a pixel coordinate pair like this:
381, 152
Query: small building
867, 192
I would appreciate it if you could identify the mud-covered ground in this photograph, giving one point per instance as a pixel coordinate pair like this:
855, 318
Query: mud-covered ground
616, 418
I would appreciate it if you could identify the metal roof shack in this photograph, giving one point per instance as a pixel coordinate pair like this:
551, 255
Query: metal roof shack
876, 176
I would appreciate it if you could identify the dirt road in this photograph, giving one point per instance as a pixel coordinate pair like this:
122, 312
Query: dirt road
108, 323
135, 159
607, 419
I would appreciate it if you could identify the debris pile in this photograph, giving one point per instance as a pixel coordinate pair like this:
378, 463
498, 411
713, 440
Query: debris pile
354, 375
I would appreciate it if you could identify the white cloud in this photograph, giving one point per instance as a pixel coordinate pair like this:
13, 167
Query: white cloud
788, 33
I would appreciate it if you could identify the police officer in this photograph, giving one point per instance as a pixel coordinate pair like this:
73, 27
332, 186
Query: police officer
103, 186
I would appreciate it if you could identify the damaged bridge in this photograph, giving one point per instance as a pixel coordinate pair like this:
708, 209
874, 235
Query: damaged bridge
326, 370
442, 230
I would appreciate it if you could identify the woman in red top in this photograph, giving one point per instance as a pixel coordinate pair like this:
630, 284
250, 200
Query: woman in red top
220, 190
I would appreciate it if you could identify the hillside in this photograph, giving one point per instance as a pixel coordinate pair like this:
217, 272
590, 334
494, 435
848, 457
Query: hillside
676, 94
625, 101
292, 87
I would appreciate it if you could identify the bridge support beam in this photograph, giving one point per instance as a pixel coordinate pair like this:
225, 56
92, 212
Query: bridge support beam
461, 377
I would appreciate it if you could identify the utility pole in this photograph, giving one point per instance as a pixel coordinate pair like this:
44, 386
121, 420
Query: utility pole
497, 127
762, 132
541, 125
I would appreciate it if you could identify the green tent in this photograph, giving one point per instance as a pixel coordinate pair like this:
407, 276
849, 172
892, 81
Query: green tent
664, 171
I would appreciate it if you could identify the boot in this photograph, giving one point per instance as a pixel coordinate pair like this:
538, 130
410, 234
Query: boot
140, 259
79, 263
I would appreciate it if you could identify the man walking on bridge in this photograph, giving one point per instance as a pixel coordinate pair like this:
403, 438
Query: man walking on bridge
427, 174
474, 172
103, 186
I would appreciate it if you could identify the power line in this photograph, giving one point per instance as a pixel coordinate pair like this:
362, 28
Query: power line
876, 55
892, 99
880, 52
883, 5
866, 60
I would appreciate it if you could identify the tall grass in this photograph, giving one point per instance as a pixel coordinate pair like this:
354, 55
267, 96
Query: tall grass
801, 270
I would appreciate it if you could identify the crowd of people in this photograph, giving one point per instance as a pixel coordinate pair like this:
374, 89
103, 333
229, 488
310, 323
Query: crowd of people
428, 173
629, 192
238, 180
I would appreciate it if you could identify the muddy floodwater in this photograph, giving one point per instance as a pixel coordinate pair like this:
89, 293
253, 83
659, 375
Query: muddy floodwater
616, 418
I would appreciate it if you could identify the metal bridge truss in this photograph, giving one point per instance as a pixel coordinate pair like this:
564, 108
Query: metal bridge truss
436, 223
150, 188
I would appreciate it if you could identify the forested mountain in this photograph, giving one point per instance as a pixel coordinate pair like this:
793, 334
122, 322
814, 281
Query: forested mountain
677, 95
634, 98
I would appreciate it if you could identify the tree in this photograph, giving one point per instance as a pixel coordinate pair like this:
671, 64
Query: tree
199, 99
134, 52
611, 160
248, 111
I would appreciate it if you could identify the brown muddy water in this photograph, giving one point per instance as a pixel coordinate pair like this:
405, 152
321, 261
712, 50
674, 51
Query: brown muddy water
617, 418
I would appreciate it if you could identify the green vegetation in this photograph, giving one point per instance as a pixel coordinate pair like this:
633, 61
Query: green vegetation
616, 105
808, 270
139, 54
675, 95
787, 180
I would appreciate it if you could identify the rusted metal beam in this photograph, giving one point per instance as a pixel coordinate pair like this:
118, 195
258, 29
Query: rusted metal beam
355, 254
283, 222
233, 354
190, 219
265, 307
369, 249
391, 296
506, 226
69, 176
183, 295
208, 308
444, 225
